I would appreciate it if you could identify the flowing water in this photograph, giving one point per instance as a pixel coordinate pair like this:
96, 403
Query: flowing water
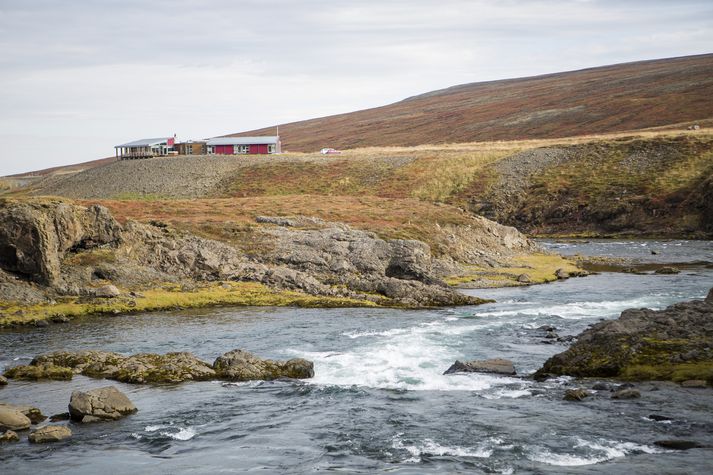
379, 401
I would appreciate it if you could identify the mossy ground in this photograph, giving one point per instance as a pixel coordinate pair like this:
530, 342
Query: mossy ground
172, 297
540, 268
652, 361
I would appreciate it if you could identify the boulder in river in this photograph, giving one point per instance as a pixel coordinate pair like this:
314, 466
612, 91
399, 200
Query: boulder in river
671, 344
667, 270
34, 414
675, 444
659, 417
39, 372
240, 365
9, 436
101, 404
48, 434
694, 383
627, 393
3, 380
524, 279
576, 394
495, 365
137, 369
11, 418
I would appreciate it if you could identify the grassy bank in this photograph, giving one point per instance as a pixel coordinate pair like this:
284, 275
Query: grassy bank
539, 268
171, 297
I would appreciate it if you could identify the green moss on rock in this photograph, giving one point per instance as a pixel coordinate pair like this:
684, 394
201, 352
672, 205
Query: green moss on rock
40, 372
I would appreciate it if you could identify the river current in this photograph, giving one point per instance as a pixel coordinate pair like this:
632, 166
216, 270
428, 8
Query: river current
379, 401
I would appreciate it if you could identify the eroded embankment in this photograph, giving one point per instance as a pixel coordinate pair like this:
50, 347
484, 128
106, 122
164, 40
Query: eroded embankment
60, 260
656, 187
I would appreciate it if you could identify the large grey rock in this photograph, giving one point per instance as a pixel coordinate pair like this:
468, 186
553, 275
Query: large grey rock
12, 418
101, 404
34, 414
49, 434
34, 236
106, 291
679, 334
496, 365
240, 365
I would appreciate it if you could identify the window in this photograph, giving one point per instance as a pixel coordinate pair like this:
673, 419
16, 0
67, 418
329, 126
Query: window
242, 149
271, 148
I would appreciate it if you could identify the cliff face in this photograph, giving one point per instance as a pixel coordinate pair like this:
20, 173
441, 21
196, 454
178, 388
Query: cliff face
33, 236
56, 250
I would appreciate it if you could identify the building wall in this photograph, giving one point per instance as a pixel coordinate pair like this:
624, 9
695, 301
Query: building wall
258, 149
194, 148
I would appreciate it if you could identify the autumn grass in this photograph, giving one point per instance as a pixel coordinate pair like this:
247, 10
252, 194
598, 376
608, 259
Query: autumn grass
171, 297
539, 267
233, 219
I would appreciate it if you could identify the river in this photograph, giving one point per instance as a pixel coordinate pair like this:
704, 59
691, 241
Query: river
379, 401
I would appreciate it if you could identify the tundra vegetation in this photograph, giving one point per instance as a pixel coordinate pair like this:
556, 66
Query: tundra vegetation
647, 183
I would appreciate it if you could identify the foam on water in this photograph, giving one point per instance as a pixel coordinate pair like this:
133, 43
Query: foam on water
406, 358
596, 451
575, 310
427, 447
171, 431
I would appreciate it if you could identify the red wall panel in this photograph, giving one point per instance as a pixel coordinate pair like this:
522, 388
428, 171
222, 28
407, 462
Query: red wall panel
223, 149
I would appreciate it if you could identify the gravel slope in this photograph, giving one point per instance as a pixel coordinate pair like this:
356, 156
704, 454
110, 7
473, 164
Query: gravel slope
173, 177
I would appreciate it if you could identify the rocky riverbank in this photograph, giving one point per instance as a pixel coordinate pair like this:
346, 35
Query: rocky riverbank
151, 368
59, 260
673, 344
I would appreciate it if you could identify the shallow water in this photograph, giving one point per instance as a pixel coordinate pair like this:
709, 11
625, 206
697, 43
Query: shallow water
379, 401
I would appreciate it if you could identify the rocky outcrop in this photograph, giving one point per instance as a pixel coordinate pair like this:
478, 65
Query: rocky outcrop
137, 369
145, 368
240, 365
51, 250
39, 372
337, 255
672, 344
3, 381
103, 404
35, 235
496, 366
49, 434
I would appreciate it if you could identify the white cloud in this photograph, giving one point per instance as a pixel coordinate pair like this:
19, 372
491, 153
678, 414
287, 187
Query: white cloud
88, 74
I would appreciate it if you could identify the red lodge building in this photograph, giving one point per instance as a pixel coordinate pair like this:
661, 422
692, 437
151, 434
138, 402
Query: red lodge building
244, 145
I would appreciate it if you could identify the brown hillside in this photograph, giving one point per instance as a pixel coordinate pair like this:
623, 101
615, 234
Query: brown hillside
606, 99
78, 167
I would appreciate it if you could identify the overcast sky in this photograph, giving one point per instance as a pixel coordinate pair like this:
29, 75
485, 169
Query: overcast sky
78, 77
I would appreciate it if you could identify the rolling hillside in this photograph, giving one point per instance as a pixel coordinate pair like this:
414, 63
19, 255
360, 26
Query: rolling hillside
621, 97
